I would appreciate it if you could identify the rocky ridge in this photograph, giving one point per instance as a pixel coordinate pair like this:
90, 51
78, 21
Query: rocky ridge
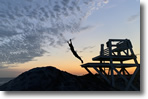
52, 79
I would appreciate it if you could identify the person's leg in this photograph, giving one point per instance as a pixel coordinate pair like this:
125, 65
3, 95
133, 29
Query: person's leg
76, 55
80, 59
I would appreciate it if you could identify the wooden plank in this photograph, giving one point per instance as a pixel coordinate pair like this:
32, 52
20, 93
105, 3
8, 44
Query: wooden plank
108, 65
114, 57
115, 40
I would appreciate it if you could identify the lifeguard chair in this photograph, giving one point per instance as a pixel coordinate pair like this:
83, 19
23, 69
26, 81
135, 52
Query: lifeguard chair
112, 60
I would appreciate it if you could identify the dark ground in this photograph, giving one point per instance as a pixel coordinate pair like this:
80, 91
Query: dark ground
51, 79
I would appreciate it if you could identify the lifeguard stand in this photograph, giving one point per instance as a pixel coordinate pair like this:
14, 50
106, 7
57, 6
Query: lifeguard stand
112, 60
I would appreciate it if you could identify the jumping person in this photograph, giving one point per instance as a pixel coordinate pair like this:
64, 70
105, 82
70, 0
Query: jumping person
73, 51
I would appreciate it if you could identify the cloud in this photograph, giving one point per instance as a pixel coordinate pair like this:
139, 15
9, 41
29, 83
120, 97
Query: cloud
85, 28
133, 18
106, 1
28, 26
87, 48
110, 6
7, 33
2, 67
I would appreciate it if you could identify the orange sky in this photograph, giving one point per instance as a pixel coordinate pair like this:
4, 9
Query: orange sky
65, 62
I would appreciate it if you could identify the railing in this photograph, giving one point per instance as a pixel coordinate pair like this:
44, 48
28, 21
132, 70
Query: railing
118, 47
106, 52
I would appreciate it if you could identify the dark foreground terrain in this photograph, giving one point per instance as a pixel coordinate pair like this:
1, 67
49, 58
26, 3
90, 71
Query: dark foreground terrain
51, 79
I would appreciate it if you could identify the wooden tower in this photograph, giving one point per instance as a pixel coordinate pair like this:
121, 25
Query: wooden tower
113, 60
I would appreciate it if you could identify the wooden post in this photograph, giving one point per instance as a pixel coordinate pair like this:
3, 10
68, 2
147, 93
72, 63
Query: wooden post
111, 63
109, 70
127, 53
135, 72
102, 50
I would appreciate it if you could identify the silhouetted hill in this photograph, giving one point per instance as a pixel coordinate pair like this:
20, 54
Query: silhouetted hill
51, 79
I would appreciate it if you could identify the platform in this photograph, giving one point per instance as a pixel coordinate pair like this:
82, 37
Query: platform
114, 58
108, 65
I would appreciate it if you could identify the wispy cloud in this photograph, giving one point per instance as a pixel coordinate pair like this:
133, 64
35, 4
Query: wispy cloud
86, 28
2, 66
106, 1
133, 18
87, 48
26, 26
110, 6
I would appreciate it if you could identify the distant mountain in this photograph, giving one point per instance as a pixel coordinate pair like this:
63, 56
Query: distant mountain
52, 79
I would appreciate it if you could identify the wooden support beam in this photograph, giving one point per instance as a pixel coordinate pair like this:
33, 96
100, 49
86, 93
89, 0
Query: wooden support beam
112, 76
135, 72
124, 78
109, 71
88, 70
103, 71
125, 52
127, 71
123, 71
114, 54
132, 78
102, 75
120, 70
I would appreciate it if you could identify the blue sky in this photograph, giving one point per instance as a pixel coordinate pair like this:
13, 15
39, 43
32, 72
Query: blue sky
116, 19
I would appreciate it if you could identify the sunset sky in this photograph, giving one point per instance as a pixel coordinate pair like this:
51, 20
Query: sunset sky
33, 33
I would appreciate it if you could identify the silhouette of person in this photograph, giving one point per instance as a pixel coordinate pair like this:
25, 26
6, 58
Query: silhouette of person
73, 51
